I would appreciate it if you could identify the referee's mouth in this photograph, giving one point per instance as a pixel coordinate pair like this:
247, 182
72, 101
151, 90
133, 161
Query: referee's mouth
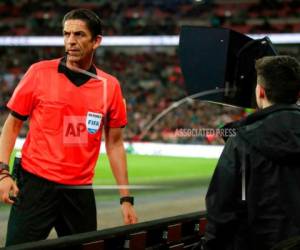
73, 52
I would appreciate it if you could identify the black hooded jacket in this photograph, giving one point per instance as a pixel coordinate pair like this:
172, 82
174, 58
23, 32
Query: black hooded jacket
264, 158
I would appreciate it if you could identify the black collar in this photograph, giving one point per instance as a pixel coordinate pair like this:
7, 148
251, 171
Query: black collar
259, 115
76, 78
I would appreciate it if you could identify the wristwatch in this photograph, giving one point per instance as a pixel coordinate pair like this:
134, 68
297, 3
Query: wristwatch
4, 166
129, 199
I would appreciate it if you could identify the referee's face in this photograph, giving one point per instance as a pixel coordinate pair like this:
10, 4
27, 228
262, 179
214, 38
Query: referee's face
79, 43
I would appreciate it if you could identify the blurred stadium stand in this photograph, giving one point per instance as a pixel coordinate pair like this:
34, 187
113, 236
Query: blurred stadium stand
152, 17
150, 76
151, 81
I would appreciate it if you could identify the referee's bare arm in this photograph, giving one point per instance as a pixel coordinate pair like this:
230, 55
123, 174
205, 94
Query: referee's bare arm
117, 159
8, 138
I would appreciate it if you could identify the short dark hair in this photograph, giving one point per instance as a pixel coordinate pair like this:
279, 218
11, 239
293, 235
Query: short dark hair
91, 19
280, 78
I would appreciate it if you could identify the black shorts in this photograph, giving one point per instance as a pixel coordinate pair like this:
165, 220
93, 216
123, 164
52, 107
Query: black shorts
44, 205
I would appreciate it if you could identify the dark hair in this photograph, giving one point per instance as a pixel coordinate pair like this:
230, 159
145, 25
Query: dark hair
280, 78
91, 19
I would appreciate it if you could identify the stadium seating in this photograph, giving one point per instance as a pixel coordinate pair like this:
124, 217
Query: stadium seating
149, 17
151, 82
151, 79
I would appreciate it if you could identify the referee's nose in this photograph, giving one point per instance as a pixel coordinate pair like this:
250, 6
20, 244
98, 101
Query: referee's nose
71, 40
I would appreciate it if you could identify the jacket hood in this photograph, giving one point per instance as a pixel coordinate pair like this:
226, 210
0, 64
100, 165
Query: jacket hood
274, 132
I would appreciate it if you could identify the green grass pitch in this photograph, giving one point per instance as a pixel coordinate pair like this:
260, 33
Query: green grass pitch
174, 172
144, 169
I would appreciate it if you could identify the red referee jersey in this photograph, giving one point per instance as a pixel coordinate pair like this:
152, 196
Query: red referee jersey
66, 121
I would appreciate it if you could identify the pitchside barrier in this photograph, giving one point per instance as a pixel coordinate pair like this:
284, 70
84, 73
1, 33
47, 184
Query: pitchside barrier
178, 232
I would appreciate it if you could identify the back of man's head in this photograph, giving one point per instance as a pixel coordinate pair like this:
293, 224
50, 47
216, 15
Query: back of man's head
280, 77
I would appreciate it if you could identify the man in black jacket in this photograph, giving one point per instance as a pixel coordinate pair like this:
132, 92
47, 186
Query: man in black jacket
253, 200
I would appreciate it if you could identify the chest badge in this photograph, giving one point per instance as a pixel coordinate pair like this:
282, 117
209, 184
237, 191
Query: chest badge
93, 122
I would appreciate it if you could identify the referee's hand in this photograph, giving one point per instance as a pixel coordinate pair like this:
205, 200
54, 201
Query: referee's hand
129, 214
7, 187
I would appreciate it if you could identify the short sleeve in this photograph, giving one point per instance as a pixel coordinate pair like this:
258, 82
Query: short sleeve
23, 98
117, 117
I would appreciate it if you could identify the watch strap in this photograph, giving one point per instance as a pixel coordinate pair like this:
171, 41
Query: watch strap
129, 199
4, 166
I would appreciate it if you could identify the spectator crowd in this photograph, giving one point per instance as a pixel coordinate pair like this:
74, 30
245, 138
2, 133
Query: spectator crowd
152, 17
151, 78
151, 82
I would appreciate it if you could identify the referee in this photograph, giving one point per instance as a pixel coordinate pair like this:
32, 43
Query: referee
68, 110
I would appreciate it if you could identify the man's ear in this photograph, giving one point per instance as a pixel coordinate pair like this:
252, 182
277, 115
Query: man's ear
98, 40
261, 91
